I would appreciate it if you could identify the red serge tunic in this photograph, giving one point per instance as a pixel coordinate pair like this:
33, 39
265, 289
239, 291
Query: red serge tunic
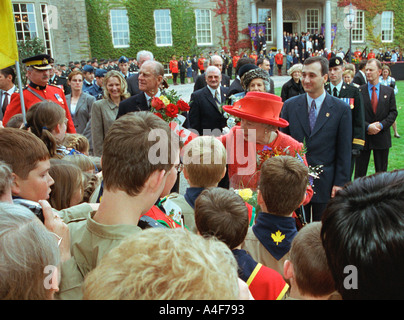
50, 92
244, 161
173, 66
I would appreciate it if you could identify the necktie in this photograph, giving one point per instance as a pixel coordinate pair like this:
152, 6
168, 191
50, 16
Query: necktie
312, 115
373, 100
217, 99
5, 102
335, 93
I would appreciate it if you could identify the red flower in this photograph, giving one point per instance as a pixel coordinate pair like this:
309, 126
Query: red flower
172, 110
182, 105
159, 115
157, 104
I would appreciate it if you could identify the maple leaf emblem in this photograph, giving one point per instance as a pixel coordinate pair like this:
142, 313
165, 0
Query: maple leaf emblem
277, 237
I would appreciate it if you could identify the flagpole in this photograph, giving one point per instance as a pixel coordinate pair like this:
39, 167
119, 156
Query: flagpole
17, 67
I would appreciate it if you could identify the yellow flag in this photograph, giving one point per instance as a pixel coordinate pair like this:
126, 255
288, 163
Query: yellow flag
8, 47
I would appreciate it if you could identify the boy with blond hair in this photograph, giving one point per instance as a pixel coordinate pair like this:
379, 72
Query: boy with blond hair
282, 189
204, 165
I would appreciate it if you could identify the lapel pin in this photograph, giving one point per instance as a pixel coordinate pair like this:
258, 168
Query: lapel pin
385, 96
327, 114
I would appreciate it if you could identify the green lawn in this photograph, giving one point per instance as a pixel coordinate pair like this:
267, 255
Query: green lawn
396, 155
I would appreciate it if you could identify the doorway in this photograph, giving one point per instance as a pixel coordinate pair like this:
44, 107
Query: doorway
288, 27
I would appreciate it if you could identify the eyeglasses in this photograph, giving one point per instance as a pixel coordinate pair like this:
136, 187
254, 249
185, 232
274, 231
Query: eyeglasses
59, 238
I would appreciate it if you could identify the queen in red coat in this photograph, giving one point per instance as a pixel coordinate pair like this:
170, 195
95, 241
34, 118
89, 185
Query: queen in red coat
257, 138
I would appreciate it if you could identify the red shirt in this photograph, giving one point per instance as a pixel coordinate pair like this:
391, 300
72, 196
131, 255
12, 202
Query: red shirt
51, 92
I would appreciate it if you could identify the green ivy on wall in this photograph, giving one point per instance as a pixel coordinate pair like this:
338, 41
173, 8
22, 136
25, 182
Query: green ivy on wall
141, 28
373, 8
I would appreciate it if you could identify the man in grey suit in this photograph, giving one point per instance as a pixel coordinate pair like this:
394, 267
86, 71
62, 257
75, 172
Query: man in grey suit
7, 88
324, 124
205, 104
133, 81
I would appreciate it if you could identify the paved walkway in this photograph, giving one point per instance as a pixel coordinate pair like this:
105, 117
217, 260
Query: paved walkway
185, 90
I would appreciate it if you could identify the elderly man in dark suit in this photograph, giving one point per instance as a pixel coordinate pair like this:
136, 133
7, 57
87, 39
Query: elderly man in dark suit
380, 114
216, 61
206, 113
324, 124
151, 75
133, 81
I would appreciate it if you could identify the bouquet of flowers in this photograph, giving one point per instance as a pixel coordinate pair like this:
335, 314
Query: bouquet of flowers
168, 106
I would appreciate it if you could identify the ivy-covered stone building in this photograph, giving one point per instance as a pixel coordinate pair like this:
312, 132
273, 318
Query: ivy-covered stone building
82, 29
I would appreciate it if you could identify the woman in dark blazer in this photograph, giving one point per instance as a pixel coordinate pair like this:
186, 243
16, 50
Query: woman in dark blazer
294, 86
80, 104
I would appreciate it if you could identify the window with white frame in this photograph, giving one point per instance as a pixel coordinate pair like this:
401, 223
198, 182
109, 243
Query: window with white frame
203, 27
46, 29
162, 25
119, 28
312, 20
265, 16
387, 26
25, 21
358, 29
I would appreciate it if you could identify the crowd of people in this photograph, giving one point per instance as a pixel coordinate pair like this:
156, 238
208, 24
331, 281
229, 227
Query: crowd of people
100, 169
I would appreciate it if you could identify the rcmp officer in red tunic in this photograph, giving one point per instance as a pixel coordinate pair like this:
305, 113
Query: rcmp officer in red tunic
38, 90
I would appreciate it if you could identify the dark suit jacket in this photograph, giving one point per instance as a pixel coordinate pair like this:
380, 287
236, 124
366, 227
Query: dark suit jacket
329, 144
358, 112
134, 103
1, 99
386, 114
133, 84
359, 79
235, 87
204, 113
200, 81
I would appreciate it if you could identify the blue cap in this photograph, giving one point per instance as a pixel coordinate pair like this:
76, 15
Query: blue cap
88, 68
100, 72
123, 59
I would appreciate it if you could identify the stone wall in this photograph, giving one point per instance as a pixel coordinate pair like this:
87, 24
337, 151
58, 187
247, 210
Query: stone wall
69, 32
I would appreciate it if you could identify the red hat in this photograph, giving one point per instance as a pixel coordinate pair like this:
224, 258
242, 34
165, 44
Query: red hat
259, 107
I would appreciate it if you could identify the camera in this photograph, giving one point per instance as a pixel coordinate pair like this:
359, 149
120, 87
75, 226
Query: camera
35, 207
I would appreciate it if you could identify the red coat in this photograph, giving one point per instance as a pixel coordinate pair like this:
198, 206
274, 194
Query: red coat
235, 60
246, 175
174, 66
51, 92
279, 58
201, 61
